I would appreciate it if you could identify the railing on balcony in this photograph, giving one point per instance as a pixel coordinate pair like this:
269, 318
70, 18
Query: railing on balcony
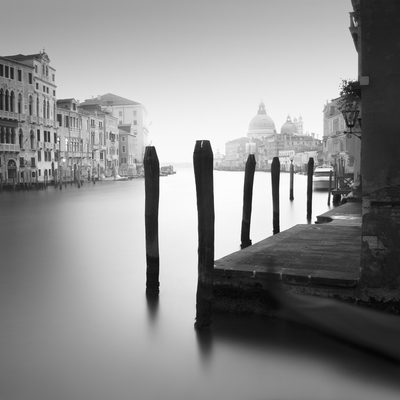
32, 119
15, 148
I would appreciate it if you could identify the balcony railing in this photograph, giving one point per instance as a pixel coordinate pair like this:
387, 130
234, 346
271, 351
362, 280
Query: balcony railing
10, 147
32, 119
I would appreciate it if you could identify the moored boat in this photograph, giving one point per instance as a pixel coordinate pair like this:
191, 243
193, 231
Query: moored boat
321, 178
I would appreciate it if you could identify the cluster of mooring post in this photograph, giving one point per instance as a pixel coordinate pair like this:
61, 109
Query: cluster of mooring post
247, 201
152, 196
203, 160
275, 174
19, 183
310, 174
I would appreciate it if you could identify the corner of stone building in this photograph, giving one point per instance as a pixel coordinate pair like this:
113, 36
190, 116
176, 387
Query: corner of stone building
380, 249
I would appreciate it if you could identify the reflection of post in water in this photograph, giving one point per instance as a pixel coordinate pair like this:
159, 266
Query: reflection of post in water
152, 194
203, 171
152, 306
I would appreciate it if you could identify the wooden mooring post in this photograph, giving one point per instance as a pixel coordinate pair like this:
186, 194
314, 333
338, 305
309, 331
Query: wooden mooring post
330, 188
291, 194
247, 201
310, 173
203, 170
275, 175
152, 196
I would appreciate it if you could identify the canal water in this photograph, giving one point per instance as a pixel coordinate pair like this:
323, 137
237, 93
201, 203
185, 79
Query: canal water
76, 324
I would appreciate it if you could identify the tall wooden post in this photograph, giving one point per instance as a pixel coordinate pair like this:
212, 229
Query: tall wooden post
60, 180
203, 170
275, 175
247, 201
291, 194
310, 174
330, 188
152, 195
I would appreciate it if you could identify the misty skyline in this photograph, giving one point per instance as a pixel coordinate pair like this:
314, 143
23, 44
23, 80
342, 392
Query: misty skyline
200, 68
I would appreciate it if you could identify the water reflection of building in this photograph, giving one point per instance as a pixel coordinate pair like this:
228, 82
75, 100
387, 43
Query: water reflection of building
28, 124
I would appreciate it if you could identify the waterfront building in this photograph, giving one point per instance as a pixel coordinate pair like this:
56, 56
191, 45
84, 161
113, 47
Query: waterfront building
219, 159
269, 143
111, 134
374, 27
235, 153
339, 150
73, 155
127, 150
28, 127
127, 112
104, 139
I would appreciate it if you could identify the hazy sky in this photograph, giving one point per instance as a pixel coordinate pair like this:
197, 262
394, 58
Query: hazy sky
200, 68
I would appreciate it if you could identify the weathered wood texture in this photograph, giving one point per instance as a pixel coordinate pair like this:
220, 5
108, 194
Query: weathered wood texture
203, 170
247, 201
310, 173
275, 176
152, 196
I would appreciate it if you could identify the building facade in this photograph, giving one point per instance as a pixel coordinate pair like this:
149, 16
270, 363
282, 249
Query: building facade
127, 150
28, 126
127, 112
339, 150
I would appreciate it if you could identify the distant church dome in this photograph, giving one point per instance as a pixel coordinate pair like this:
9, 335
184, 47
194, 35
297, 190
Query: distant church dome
261, 125
289, 127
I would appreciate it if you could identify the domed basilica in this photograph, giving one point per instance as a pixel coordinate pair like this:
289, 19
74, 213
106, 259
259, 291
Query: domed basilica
261, 126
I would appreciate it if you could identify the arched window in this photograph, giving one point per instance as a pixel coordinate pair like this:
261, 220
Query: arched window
12, 100
32, 140
21, 139
44, 108
48, 110
8, 136
1, 99
2, 134
19, 104
37, 106
30, 105
13, 136
7, 101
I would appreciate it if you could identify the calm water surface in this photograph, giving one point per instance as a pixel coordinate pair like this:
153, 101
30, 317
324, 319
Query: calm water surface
76, 325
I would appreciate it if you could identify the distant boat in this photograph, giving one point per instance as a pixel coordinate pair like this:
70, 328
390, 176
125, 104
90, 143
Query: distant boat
167, 170
321, 178
120, 178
